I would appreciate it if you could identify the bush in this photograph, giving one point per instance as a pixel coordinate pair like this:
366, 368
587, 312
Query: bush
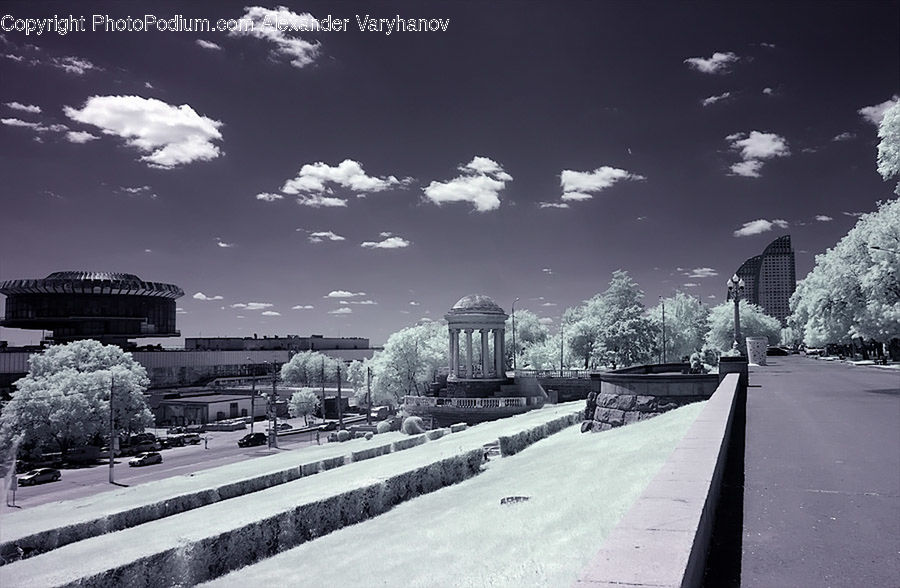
412, 426
369, 436
383, 427
343, 435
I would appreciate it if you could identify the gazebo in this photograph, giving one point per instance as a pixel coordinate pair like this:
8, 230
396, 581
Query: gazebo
477, 313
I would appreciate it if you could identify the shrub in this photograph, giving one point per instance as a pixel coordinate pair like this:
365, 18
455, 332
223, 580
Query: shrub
412, 426
383, 427
343, 435
369, 436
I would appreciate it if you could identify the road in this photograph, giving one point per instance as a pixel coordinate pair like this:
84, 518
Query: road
822, 475
221, 449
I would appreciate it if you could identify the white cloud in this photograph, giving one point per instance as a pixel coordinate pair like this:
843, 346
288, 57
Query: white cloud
845, 136
222, 243
204, 297
553, 205
691, 285
80, 137
180, 310
582, 185
414, 303
547, 271
718, 63
148, 251
709, 101
760, 226
768, 91
545, 320
701, 272
875, 113
271, 313
318, 201
269, 197
138, 191
343, 294
168, 135
388, 243
16, 122
319, 178
17, 58
73, 65
767, 45
341, 310
300, 52
480, 184
319, 236
853, 214
252, 305
385, 234
548, 304
208, 45
302, 307
24, 107
822, 218
754, 148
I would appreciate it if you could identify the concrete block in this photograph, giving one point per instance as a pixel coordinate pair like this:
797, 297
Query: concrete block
607, 400
625, 402
632, 417
640, 557
644, 403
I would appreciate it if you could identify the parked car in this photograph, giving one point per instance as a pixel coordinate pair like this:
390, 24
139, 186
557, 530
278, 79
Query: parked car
252, 440
143, 446
195, 429
39, 476
777, 351
329, 426
284, 426
175, 430
192, 438
143, 459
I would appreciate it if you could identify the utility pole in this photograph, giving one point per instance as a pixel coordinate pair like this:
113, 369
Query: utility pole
562, 338
273, 422
663, 300
340, 407
735, 289
322, 378
252, 397
112, 429
515, 350
369, 395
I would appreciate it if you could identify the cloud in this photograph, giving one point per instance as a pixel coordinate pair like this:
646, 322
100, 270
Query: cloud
208, 45
754, 148
545, 320
845, 136
718, 63
252, 305
875, 113
300, 52
34, 126
24, 107
319, 236
768, 91
80, 137
222, 243
548, 304
760, 226
341, 310
691, 285
414, 303
547, 271
582, 185
138, 191
168, 135
343, 294
767, 45
204, 297
180, 310
553, 205
822, 218
73, 65
387, 243
853, 214
302, 307
317, 201
701, 272
271, 313
709, 101
320, 178
269, 197
480, 184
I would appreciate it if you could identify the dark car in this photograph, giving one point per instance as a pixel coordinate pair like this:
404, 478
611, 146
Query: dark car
143, 459
252, 440
777, 351
39, 476
329, 426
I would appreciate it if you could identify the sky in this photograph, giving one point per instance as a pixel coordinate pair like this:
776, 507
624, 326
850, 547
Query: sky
354, 182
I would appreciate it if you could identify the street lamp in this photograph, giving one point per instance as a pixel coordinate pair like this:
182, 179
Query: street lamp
662, 301
112, 429
515, 351
252, 395
735, 289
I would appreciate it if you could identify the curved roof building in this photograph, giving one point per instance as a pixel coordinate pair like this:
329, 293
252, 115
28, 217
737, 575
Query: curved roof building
770, 278
108, 307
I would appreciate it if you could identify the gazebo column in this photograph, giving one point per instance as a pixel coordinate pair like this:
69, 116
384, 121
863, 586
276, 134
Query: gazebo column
498, 352
469, 354
485, 362
452, 348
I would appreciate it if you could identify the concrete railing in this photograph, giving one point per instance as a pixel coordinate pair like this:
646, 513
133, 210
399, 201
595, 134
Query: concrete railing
663, 539
430, 401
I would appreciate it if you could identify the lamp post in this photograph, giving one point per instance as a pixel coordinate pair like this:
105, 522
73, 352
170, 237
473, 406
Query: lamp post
735, 289
112, 429
662, 301
273, 415
252, 396
562, 339
515, 351
369, 395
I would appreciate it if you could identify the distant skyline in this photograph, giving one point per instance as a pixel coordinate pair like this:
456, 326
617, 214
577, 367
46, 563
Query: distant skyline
351, 183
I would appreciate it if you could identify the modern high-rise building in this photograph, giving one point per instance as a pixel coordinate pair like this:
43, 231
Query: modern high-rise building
771, 278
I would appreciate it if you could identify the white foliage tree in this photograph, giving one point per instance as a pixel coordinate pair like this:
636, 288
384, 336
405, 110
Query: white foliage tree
889, 146
685, 324
303, 402
754, 323
411, 360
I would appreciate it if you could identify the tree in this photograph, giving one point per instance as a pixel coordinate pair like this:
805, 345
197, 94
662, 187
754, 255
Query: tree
685, 324
754, 323
854, 289
411, 359
303, 403
64, 400
529, 330
545, 355
311, 368
889, 146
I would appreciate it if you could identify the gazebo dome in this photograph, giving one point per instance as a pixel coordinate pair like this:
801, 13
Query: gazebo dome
476, 303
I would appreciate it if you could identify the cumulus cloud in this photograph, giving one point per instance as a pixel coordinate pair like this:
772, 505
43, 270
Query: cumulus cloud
343, 294
319, 236
553, 205
480, 184
823, 218
223, 244
80, 137
204, 297
875, 113
208, 45
319, 201
168, 135
300, 52
271, 313
709, 101
845, 136
321, 178
754, 148
387, 243
701, 272
578, 185
73, 65
252, 305
24, 107
341, 310
768, 91
718, 63
760, 226
269, 197
302, 307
